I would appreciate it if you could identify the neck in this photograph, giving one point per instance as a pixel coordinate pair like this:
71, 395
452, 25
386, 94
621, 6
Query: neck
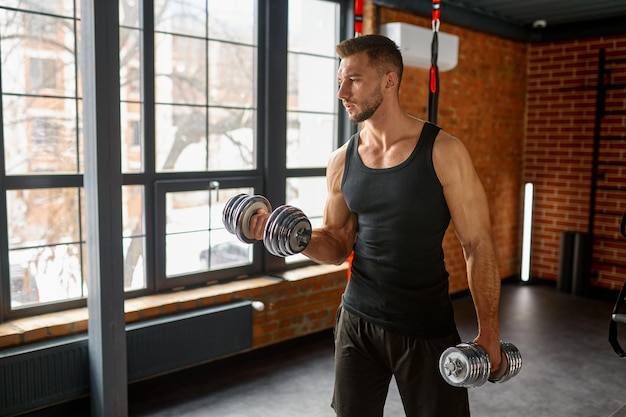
389, 126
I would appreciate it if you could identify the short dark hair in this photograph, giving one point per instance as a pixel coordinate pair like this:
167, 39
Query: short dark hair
382, 52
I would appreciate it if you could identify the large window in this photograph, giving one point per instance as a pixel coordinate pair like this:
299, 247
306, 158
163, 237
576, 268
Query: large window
312, 120
209, 103
43, 239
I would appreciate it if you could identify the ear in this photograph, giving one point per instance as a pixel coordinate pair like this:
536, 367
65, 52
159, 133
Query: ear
391, 80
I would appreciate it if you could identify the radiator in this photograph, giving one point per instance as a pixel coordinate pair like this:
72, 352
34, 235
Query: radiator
43, 374
172, 343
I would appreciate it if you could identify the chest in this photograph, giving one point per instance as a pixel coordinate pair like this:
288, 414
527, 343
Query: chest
378, 157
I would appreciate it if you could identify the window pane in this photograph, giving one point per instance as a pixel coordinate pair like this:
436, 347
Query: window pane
132, 136
134, 241
38, 54
45, 245
180, 69
232, 20
130, 65
310, 139
231, 75
309, 195
46, 274
131, 106
129, 13
226, 252
312, 83
232, 139
186, 17
184, 253
187, 231
42, 216
313, 26
40, 135
180, 138
62, 7
196, 240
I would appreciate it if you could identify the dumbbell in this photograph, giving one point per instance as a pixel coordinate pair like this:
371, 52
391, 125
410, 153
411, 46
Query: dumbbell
468, 365
287, 231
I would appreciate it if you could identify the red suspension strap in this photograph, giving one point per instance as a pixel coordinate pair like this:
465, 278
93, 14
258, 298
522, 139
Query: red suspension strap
433, 90
358, 17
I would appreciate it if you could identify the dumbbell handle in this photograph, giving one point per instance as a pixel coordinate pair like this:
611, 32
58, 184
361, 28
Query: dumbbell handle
257, 223
498, 374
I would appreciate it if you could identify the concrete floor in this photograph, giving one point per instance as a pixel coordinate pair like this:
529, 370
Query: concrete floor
569, 370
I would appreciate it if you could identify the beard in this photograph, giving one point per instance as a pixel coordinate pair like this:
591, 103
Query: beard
369, 108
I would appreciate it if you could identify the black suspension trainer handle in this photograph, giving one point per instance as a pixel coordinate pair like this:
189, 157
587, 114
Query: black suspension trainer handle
433, 87
433, 84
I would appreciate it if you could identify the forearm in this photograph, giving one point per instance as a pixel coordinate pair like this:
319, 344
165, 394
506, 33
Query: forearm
484, 282
326, 248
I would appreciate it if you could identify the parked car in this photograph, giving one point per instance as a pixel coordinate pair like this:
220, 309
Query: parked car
226, 255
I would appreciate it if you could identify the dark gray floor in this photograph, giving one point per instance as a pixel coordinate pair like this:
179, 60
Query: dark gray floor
569, 369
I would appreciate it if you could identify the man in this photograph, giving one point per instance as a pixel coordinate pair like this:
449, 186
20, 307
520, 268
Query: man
392, 191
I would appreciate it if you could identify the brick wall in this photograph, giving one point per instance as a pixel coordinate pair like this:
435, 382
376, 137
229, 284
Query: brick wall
481, 102
559, 152
305, 302
524, 115
298, 303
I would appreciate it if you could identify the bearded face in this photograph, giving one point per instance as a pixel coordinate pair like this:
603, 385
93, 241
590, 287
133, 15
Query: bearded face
369, 106
360, 87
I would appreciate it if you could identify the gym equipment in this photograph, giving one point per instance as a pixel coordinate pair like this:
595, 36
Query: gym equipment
433, 79
237, 212
287, 231
468, 365
618, 316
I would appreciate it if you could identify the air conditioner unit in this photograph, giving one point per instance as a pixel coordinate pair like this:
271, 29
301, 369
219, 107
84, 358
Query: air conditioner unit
415, 43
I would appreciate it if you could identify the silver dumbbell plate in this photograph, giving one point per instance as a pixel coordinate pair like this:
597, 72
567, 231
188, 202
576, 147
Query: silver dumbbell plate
287, 231
465, 365
237, 213
468, 365
512, 359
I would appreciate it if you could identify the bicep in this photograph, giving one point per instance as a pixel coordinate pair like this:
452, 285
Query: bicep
333, 241
338, 220
463, 190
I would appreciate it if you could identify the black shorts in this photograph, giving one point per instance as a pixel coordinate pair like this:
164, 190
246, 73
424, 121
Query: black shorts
367, 356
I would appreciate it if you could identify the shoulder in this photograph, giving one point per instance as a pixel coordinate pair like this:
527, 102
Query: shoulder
446, 142
451, 158
336, 163
338, 157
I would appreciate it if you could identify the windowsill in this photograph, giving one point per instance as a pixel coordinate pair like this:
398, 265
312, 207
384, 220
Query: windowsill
71, 322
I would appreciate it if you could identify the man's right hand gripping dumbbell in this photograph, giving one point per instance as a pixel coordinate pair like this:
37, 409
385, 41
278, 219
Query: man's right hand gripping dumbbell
284, 231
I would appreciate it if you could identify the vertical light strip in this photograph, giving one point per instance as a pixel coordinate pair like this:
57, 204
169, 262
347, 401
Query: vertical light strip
527, 232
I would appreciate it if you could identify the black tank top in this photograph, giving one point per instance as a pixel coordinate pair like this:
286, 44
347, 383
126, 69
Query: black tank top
398, 278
